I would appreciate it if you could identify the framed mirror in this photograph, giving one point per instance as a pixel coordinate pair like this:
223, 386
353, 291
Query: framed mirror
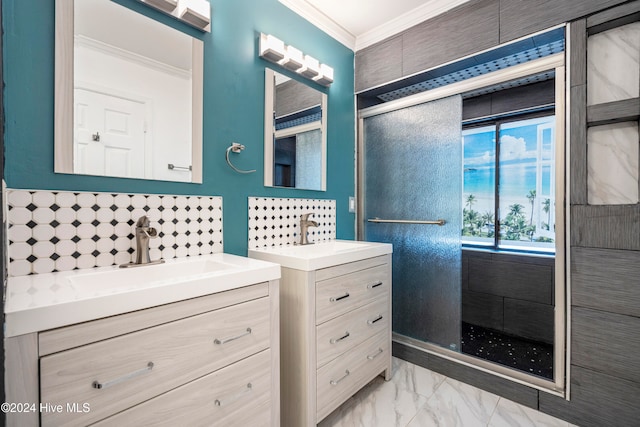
128, 103
295, 134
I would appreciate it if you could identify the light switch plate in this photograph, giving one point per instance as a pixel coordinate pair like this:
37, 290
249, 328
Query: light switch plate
352, 204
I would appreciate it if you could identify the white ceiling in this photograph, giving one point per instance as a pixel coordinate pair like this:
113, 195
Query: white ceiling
361, 23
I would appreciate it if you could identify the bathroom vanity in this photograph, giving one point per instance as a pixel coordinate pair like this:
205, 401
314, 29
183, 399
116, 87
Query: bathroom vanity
190, 342
335, 323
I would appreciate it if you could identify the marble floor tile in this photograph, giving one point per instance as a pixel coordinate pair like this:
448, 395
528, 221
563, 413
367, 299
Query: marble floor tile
511, 414
379, 404
403, 402
456, 404
415, 378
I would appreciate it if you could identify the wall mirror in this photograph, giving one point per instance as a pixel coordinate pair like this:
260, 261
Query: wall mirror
295, 134
128, 102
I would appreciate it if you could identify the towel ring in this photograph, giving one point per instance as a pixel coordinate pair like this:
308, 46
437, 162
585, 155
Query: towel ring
236, 148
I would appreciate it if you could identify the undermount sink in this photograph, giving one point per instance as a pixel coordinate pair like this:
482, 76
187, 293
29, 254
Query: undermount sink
321, 254
148, 275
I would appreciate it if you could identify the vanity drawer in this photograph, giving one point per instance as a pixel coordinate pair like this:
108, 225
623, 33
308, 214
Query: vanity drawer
115, 374
237, 395
341, 294
345, 332
344, 376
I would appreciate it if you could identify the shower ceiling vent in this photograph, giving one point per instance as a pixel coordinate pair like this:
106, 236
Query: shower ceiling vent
537, 52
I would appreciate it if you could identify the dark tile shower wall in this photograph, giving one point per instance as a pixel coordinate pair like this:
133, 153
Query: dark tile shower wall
509, 293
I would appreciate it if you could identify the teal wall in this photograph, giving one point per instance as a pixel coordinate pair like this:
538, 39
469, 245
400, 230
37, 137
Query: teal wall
233, 108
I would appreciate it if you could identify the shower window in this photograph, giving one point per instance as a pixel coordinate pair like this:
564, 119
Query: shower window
509, 169
479, 185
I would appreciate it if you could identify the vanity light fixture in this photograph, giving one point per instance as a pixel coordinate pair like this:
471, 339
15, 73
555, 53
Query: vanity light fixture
274, 50
311, 67
196, 13
164, 5
325, 77
271, 48
293, 59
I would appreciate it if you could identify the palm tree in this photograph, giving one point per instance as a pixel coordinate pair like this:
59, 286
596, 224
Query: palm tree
470, 223
471, 199
516, 209
487, 222
546, 207
514, 224
532, 197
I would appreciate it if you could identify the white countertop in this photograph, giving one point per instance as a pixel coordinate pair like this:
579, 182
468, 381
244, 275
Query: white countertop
322, 254
45, 301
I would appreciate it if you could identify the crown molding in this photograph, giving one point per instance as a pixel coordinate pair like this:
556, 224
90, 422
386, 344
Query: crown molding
428, 10
105, 48
322, 21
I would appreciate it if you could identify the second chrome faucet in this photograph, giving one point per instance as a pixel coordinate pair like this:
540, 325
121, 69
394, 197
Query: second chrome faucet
144, 232
305, 223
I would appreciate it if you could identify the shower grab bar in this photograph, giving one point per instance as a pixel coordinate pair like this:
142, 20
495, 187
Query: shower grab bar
439, 222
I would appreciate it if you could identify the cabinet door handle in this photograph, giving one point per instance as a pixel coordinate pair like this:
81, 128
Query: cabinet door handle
374, 285
234, 397
372, 321
341, 297
336, 382
376, 354
226, 340
335, 340
98, 385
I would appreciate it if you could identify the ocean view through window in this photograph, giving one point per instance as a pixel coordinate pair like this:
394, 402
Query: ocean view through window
509, 168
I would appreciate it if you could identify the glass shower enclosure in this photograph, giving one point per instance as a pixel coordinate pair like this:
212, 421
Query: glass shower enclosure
412, 199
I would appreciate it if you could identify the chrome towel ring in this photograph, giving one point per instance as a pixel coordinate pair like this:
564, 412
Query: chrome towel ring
236, 148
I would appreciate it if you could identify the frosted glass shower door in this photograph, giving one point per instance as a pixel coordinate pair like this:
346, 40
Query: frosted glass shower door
412, 163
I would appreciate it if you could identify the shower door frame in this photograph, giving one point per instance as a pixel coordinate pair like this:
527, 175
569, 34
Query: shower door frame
556, 62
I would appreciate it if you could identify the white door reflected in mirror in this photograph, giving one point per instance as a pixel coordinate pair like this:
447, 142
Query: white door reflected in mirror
128, 102
109, 135
295, 134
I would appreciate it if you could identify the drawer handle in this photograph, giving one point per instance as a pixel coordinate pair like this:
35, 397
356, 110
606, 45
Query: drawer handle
374, 285
233, 398
373, 356
334, 299
372, 321
335, 340
100, 386
336, 382
226, 340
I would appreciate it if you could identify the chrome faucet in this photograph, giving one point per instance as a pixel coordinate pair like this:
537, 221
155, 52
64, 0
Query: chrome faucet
305, 223
144, 232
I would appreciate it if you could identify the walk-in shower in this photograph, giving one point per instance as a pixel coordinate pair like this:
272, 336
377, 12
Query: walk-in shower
472, 198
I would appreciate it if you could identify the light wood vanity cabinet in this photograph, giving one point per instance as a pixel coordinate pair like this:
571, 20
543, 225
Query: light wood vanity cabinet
335, 335
211, 360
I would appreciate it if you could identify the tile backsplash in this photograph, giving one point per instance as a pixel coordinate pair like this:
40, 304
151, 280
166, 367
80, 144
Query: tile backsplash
59, 230
276, 221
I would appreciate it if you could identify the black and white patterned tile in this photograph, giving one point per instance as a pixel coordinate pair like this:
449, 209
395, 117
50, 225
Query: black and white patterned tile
276, 221
52, 231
